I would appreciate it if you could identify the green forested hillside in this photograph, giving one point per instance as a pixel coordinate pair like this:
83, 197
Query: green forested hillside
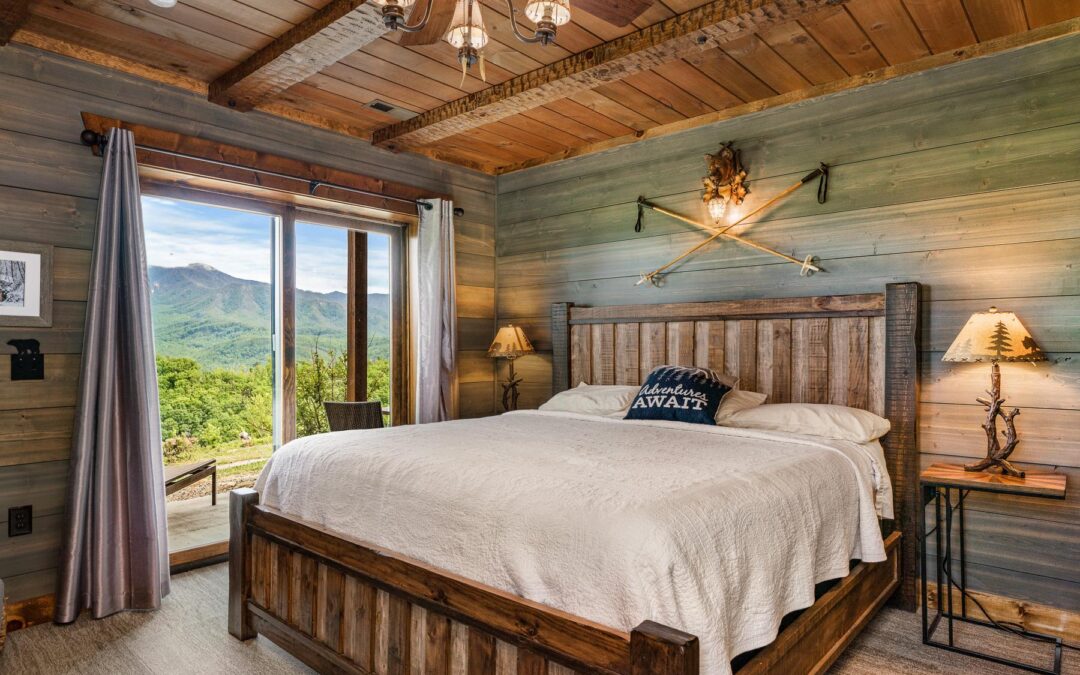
221, 321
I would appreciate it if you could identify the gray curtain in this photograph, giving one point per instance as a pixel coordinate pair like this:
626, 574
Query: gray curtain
115, 554
436, 315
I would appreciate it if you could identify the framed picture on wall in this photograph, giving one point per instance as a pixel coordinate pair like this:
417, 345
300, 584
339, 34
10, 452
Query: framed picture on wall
25, 284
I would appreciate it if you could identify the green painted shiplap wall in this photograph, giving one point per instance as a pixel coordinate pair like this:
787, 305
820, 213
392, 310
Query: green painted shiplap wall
48, 194
965, 178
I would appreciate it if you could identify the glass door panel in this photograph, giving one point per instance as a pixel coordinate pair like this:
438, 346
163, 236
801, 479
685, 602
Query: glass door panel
322, 294
343, 319
212, 304
380, 302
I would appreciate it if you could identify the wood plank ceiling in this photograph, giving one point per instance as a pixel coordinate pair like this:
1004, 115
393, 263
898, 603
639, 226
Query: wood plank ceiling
198, 41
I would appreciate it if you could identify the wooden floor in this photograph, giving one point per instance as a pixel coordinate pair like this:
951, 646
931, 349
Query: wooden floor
189, 636
194, 522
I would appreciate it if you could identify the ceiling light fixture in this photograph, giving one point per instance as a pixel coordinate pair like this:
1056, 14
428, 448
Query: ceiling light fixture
163, 3
466, 31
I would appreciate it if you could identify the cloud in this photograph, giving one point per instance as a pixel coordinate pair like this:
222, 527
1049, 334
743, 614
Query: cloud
322, 259
240, 244
181, 233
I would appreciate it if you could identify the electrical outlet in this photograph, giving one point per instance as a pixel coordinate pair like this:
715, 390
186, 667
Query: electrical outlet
20, 520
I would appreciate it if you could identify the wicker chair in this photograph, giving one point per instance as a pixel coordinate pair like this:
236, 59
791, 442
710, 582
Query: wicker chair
344, 415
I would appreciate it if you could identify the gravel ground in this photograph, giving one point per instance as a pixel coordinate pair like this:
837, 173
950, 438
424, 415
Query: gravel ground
224, 484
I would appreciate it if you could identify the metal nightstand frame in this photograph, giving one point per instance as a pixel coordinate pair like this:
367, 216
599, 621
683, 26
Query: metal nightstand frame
935, 491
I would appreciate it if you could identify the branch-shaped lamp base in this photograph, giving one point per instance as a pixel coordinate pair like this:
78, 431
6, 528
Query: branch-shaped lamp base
997, 454
510, 389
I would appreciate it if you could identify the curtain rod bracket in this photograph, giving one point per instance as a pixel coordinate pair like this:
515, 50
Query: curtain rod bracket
91, 138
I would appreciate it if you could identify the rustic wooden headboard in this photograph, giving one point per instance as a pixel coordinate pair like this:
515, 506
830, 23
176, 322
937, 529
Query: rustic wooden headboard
853, 350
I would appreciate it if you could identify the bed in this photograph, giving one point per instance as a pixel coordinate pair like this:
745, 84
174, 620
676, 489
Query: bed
303, 573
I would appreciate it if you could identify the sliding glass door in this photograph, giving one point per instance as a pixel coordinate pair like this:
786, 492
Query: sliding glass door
261, 316
262, 312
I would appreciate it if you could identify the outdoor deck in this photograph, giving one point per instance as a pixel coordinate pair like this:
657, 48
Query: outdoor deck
195, 525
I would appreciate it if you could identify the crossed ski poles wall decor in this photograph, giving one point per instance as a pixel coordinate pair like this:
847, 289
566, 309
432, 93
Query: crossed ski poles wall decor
807, 265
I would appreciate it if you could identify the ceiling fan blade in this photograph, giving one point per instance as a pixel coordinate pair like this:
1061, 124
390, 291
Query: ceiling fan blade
437, 26
616, 12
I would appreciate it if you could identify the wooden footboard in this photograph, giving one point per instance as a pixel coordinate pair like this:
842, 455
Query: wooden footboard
343, 606
812, 642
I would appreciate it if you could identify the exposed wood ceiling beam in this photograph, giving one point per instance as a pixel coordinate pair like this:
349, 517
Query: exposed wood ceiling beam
13, 14
32, 38
1054, 31
702, 28
327, 36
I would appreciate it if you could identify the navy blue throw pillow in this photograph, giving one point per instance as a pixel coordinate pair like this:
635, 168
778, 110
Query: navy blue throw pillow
679, 394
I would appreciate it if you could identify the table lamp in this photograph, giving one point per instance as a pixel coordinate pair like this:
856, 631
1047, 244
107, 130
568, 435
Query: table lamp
995, 336
509, 343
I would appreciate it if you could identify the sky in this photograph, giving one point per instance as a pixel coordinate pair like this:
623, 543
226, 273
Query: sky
180, 233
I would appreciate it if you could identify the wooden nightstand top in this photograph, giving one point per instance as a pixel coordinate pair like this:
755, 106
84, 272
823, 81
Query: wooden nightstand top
1033, 484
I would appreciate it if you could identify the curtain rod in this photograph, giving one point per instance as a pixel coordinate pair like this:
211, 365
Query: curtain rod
92, 138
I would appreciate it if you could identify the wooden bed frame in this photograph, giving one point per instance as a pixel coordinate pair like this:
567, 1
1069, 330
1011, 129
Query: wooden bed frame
346, 606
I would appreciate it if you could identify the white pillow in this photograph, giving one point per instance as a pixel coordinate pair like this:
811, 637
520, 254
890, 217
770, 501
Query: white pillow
592, 399
814, 419
737, 400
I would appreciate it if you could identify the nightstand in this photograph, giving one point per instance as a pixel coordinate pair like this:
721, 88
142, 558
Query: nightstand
948, 485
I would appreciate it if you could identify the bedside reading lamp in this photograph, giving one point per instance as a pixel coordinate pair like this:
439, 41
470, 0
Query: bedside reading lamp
509, 343
995, 336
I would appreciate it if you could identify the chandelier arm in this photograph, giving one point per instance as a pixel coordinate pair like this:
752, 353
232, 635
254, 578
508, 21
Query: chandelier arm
517, 33
423, 22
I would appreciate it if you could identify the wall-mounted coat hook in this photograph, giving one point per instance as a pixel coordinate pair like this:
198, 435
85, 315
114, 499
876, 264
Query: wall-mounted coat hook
28, 363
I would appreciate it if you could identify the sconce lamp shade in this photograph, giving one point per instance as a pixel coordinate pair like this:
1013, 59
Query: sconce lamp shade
509, 343
993, 336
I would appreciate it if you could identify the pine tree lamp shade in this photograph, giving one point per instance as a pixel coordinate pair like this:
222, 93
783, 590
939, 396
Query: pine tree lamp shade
510, 343
992, 337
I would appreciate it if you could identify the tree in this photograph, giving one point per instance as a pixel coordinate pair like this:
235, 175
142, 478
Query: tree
208, 408
12, 282
1000, 341
322, 378
211, 407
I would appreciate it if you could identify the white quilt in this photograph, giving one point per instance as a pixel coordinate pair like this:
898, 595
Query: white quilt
718, 532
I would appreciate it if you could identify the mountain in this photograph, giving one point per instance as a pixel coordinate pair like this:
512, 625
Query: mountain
224, 322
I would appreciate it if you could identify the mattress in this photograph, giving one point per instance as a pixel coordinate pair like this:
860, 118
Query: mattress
716, 531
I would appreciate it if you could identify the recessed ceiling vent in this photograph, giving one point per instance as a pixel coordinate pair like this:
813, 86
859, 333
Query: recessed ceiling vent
393, 111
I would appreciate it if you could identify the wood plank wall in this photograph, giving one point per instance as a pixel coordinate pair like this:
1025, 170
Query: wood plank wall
48, 194
966, 179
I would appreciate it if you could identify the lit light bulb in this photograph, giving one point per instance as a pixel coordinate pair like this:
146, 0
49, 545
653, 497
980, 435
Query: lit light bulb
717, 206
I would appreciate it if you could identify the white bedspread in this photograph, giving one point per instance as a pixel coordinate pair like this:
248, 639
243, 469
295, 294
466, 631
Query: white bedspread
718, 532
